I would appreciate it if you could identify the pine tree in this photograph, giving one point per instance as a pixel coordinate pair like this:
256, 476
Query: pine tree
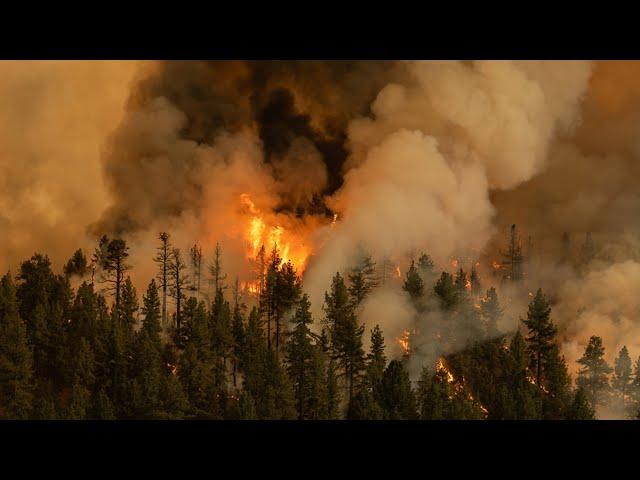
558, 385
542, 333
195, 255
173, 401
215, 270
16, 358
376, 359
621, 380
178, 283
287, 295
426, 268
162, 258
346, 333
113, 265
220, 327
519, 391
413, 284
269, 294
333, 393
594, 376
580, 408
151, 311
43, 302
83, 382
77, 264
239, 337
446, 291
300, 355
362, 278
396, 396
129, 309
364, 407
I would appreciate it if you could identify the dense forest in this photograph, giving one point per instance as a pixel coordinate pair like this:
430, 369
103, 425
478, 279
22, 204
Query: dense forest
99, 351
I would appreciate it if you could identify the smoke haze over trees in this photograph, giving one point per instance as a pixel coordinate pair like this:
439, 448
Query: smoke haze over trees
357, 167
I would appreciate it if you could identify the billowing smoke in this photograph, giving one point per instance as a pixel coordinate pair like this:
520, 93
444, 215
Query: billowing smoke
54, 117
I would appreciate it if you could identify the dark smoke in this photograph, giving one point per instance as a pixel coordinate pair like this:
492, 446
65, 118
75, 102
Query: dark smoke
281, 101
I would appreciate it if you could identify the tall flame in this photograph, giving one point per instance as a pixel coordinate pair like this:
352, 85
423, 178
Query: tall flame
267, 231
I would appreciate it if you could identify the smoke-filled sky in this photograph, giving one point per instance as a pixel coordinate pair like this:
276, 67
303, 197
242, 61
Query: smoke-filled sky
412, 156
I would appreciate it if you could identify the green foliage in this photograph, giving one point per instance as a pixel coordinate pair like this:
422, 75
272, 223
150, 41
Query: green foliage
580, 408
541, 336
77, 264
446, 291
300, 357
594, 374
362, 278
622, 380
395, 394
16, 358
413, 283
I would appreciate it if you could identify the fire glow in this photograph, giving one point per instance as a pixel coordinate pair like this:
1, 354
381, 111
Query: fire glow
403, 341
260, 232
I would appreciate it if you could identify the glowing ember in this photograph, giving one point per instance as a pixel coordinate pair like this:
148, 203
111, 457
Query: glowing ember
398, 273
403, 341
173, 368
335, 219
468, 285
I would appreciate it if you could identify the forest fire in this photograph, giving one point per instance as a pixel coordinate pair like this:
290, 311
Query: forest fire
250, 221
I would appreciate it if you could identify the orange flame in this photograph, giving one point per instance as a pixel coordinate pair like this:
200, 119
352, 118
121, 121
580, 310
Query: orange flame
250, 287
440, 366
403, 341
398, 273
261, 232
